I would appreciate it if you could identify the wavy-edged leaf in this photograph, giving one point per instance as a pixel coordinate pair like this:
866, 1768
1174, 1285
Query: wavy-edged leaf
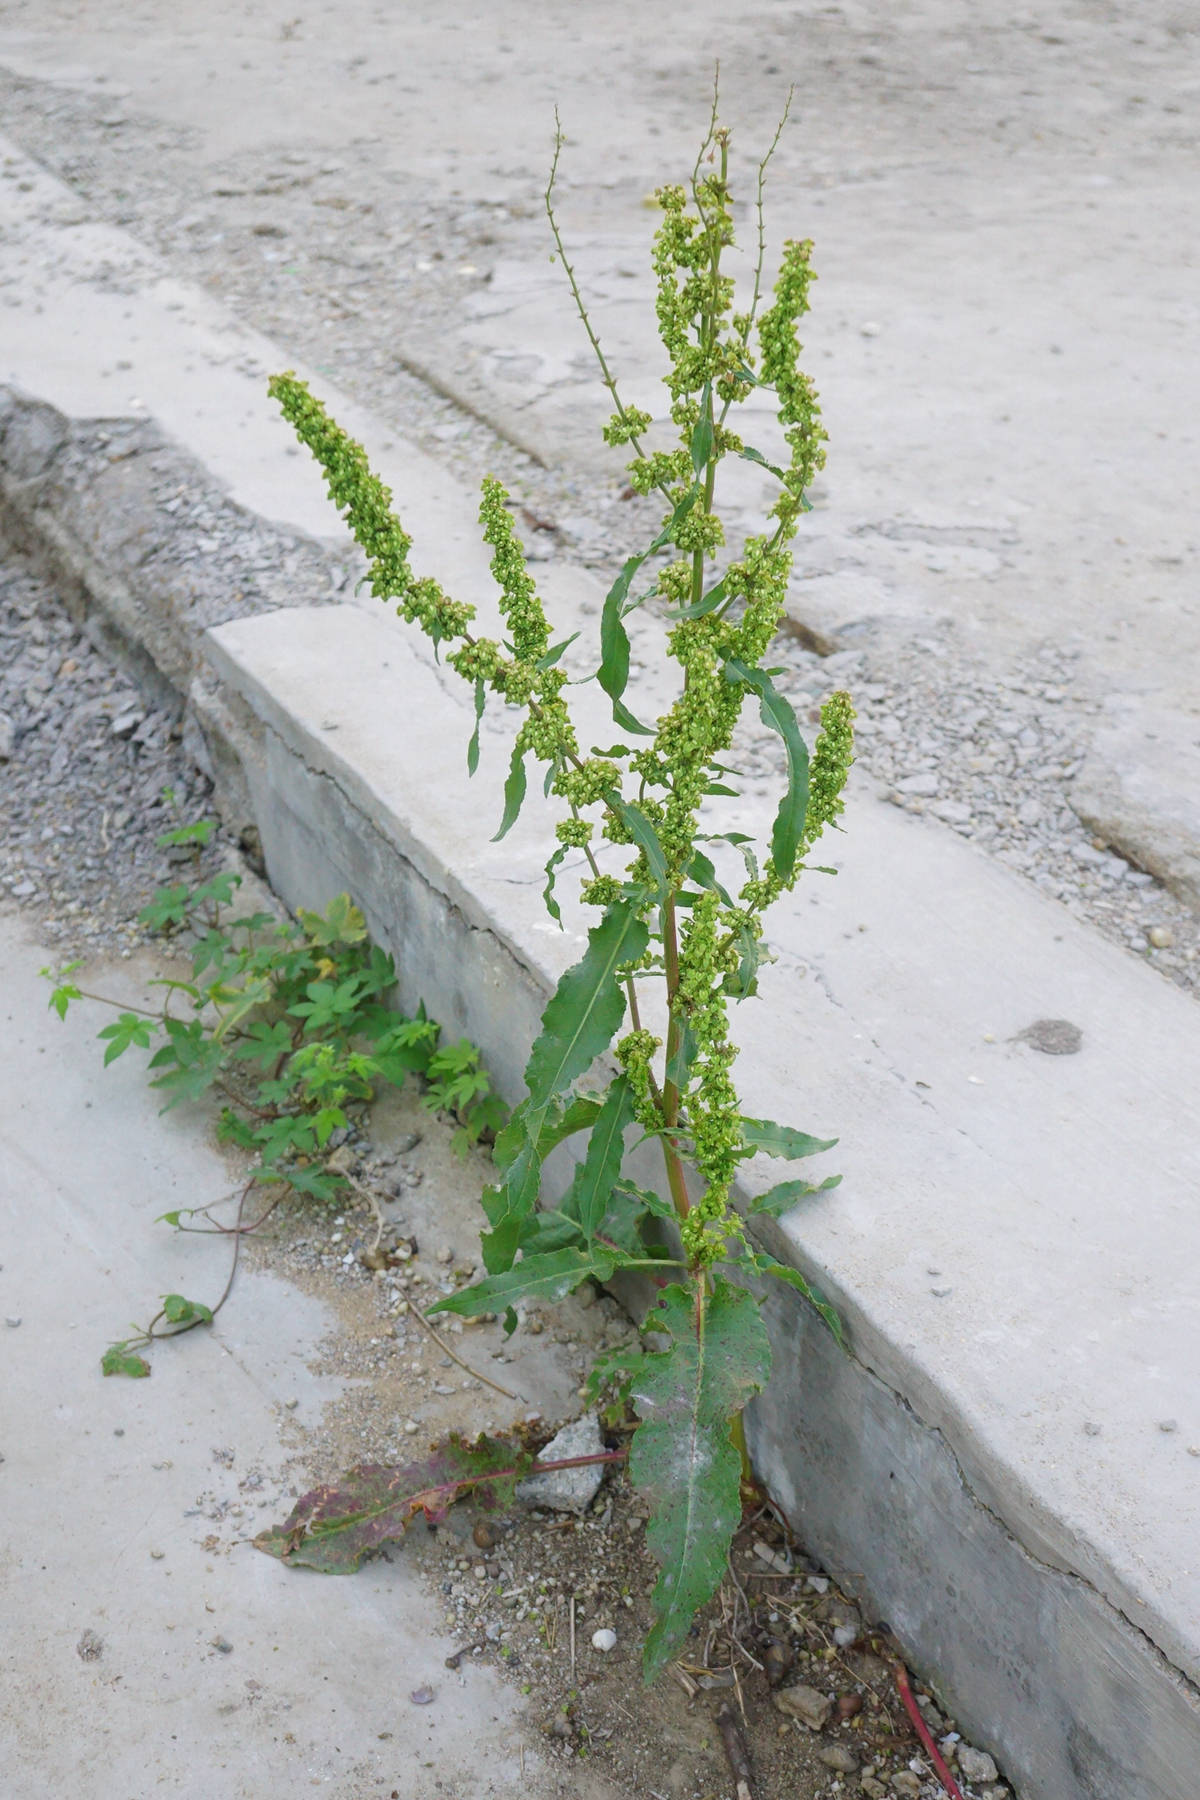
334, 1526
786, 1194
762, 1264
545, 1277
473, 746
683, 1458
551, 904
585, 1012
514, 791
614, 639
770, 1139
777, 712
596, 1175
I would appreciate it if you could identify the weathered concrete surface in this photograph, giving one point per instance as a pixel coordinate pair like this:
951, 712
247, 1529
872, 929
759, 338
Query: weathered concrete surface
1139, 789
101, 1480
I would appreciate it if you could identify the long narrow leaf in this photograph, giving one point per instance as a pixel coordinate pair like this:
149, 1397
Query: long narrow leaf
786, 1194
586, 1011
777, 712
514, 792
592, 1188
614, 639
762, 1264
473, 746
547, 1277
782, 1140
645, 837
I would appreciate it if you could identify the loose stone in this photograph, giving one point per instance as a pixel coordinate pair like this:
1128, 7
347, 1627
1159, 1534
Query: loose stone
836, 1756
976, 1765
806, 1704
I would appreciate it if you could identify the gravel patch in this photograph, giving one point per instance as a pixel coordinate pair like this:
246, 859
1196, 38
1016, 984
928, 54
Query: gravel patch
94, 773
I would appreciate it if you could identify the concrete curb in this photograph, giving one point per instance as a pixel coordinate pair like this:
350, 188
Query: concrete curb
943, 1468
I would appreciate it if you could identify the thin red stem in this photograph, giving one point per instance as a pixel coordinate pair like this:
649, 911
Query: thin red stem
922, 1730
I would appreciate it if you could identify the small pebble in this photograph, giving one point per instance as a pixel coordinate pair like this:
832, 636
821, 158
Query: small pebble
976, 1765
1161, 936
422, 1696
12, 1323
1168, 1424
222, 1644
604, 1639
836, 1756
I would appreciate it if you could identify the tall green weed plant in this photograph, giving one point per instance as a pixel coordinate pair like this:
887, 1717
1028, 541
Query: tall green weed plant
672, 941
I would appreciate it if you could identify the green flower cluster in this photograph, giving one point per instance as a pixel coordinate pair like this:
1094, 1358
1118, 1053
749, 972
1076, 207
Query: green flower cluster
713, 1122
799, 408
635, 1053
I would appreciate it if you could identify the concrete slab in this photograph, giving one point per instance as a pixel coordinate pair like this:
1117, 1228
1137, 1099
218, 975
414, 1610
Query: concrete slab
110, 1487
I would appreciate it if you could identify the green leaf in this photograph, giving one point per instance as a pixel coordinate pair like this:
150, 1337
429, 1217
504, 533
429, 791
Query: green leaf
705, 604
586, 1010
702, 433
683, 1458
548, 1277
749, 454
473, 746
762, 1264
777, 712
514, 791
644, 836
701, 871
591, 1191
556, 651
335, 1526
340, 923
197, 833
170, 906
770, 1139
128, 1028
786, 1194
551, 904
119, 1361
679, 1066
178, 1311
614, 639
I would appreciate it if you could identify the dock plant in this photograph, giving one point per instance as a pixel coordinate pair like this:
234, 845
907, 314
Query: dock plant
635, 1043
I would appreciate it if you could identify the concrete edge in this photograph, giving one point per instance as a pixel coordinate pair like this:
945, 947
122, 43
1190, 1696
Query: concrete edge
1126, 1730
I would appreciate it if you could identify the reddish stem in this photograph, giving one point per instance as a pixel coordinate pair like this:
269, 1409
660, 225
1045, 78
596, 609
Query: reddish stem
922, 1730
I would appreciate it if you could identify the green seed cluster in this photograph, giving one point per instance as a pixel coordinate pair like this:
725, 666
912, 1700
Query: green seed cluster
799, 409
635, 1053
712, 1106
